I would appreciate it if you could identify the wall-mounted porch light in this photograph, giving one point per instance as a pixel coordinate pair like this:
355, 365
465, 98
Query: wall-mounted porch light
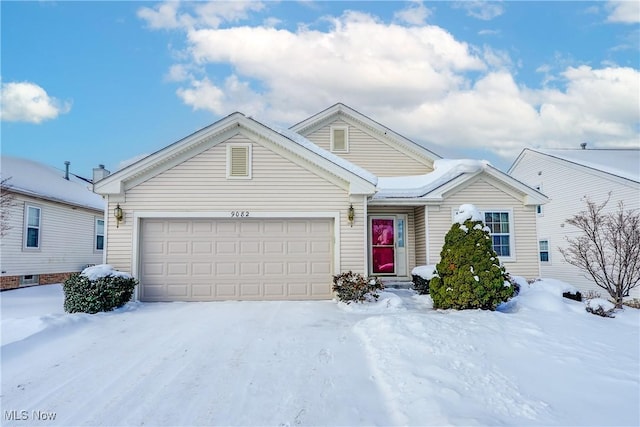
351, 215
118, 215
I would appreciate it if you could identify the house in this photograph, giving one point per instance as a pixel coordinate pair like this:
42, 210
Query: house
567, 177
246, 210
53, 224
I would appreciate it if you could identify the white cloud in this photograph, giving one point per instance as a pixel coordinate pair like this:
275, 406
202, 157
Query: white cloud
624, 11
435, 88
484, 10
415, 13
172, 14
28, 102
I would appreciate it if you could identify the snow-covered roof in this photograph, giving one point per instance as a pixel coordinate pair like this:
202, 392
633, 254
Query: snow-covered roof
337, 160
445, 170
624, 163
39, 180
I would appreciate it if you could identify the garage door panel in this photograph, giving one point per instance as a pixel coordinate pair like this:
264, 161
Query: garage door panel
226, 268
178, 290
226, 247
271, 268
253, 259
226, 290
178, 248
178, 227
201, 248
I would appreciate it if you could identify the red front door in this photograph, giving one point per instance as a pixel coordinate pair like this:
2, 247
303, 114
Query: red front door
383, 249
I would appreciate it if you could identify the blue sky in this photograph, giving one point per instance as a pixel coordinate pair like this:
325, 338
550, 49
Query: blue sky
107, 82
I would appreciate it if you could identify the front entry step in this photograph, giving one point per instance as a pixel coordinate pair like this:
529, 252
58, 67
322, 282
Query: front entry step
398, 285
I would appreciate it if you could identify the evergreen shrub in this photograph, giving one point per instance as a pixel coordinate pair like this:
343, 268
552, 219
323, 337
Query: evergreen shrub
420, 284
470, 275
351, 287
82, 295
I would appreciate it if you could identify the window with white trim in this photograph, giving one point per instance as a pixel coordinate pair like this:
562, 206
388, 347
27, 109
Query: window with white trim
340, 139
539, 207
239, 161
544, 250
32, 227
499, 222
99, 237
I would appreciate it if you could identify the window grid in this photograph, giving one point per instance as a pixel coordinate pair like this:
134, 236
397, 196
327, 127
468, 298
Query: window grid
99, 234
32, 231
498, 223
544, 250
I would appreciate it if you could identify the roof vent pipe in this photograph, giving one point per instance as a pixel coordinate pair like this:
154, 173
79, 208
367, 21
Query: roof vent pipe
66, 169
583, 145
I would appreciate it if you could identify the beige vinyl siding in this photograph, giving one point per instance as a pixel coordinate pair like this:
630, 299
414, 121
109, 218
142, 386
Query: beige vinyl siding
421, 238
409, 232
66, 239
200, 185
566, 185
377, 157
485, 196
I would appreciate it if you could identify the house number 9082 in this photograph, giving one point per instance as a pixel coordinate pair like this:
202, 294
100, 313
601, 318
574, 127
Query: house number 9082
239, 214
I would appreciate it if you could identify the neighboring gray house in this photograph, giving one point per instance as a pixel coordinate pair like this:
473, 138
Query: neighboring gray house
568, 176
245, 210
56, 224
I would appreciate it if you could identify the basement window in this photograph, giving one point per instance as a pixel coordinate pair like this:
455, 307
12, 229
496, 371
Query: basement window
239, 161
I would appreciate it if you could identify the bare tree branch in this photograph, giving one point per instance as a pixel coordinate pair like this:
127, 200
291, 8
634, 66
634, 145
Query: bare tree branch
7, 201
608, 248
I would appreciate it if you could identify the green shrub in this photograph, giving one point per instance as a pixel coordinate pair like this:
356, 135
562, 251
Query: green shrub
82, 295
469, 272
352, 286
420, 284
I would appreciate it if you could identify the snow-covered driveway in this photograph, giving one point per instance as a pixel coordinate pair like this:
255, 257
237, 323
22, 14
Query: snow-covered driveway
542, 361
245, 363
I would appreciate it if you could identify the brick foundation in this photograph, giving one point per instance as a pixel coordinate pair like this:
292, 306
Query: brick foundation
13, 282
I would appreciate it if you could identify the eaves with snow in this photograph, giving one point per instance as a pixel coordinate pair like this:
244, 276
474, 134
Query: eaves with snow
35, 179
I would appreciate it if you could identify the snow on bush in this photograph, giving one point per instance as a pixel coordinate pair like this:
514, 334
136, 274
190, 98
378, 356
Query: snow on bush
467, 212
425, 271
96, 272
350, 287
386, 302
97, 288
600, 307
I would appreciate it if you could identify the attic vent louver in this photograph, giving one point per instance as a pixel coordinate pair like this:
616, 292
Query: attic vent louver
239, 161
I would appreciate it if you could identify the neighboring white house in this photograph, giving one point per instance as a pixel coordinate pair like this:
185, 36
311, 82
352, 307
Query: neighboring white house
245, 210
55, 224
567, 177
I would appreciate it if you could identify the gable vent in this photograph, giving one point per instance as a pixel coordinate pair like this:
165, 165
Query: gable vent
239, 161
339, 139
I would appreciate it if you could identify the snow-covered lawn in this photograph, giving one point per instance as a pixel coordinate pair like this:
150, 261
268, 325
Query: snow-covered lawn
540, 360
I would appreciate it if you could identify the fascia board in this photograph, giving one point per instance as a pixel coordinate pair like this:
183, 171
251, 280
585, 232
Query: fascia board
529, 196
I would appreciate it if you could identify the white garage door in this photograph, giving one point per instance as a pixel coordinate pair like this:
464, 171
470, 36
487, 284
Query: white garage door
244, 259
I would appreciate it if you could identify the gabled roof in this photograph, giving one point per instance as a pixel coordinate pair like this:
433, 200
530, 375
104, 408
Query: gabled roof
623, 163
447, 177
359, 180
35, 179
343, 111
